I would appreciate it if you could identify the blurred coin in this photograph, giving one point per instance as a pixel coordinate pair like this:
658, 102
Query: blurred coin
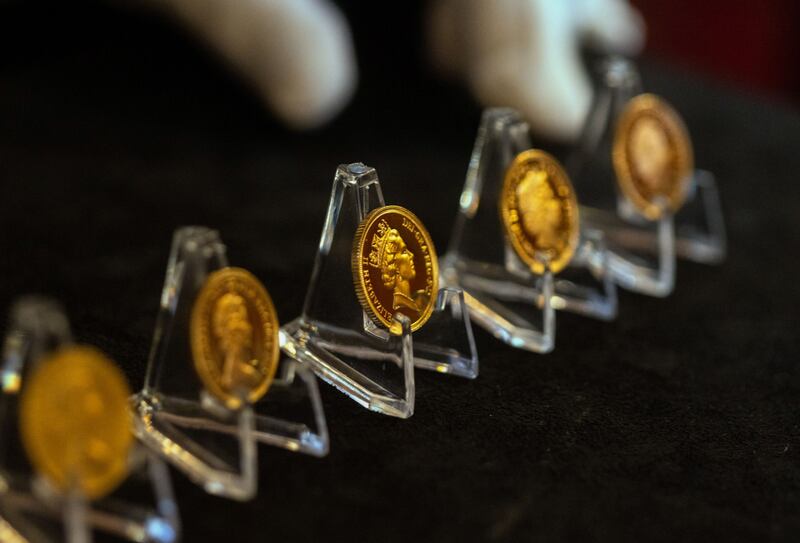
652, 155
75, 422
539, 211
234, 337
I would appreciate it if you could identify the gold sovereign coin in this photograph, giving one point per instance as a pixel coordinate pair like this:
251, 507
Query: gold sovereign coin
234, 337
652, 155
75, 422
395, 268
539, 211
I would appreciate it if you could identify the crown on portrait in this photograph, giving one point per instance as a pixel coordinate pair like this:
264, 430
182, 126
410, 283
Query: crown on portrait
379, 242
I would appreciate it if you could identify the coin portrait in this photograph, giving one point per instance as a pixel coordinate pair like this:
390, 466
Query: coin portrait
652, 155
539, 211
234, 337
395, 268
75, 421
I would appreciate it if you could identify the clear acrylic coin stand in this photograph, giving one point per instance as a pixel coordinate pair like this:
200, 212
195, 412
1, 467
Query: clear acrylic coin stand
174, 415
336, 337
642, 253
141, 509
503, 294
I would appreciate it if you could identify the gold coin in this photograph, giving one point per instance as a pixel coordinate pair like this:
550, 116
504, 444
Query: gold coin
539, 211
75, 422
395, 268
234, 337
652, 155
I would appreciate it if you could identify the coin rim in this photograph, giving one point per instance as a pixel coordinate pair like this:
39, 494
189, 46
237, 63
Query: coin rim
673, 123
358, 279
39, 460
536, 266
200, 363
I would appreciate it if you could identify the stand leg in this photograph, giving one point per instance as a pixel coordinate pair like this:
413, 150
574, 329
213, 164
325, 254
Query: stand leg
307, 432
76, 525
183, 431
595, 296
700, 225
636, 273
518, 314
164, 527
376, 373
446, 344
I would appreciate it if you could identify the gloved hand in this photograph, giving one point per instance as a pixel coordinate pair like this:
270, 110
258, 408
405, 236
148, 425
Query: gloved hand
298, 54
526, 53
519, 53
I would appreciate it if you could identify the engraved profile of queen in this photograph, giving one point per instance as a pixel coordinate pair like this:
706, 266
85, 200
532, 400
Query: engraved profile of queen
233, 331
396, 264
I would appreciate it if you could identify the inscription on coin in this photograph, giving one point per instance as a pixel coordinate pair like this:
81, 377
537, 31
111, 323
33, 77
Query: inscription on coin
395, 268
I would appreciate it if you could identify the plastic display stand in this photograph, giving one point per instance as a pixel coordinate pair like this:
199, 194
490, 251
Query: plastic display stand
334, 335
503, 294
642, 253
175, 416
141, 509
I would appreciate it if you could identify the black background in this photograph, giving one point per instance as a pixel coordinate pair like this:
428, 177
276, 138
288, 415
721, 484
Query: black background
677, 421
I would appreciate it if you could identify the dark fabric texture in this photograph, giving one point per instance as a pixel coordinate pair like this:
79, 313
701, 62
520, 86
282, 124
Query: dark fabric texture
677, 421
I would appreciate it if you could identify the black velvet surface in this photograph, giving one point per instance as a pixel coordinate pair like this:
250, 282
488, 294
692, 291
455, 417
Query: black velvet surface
677, 421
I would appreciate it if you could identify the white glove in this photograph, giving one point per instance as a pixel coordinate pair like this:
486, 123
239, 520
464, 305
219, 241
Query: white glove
526, 53
297, 53
520, 53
